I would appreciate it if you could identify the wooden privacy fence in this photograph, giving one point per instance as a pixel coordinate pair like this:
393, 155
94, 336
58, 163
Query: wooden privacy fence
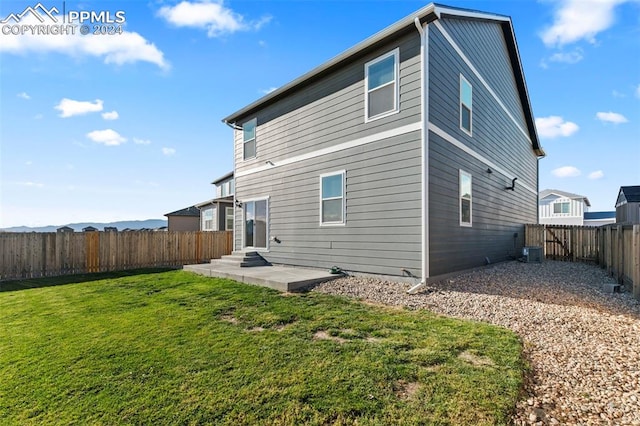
32, 255
614, 247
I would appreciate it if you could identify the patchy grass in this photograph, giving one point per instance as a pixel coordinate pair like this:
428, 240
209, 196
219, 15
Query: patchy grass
177, 348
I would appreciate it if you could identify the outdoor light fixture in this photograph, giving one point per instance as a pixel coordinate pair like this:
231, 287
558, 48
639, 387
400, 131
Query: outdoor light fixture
238, 203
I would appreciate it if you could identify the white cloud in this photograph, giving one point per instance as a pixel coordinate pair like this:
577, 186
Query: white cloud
554, 126
566, 171
267, 91
32, 184
23, 95
211, 16
598, 174
611, 117
576, 20
69, 107
113, 115
568, 57
168, 151
138, 141
107, 137
119, 49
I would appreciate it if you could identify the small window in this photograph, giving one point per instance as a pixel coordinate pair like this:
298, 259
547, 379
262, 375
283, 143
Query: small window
561, 208
332, 198
209, 219
466, 105
381, 86
249, 139
228, 218
465, 199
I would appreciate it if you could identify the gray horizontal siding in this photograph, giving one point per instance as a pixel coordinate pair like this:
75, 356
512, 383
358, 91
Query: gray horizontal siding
497, 214
381, 234
495, 136
483, 43
331, 111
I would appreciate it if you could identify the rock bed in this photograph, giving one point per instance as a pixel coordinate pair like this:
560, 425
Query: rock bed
583, 344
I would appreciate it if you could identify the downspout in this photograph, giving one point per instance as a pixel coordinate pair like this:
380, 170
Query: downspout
235, 127
424, 100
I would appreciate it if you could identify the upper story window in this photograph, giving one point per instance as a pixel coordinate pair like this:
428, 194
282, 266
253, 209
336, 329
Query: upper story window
465, 198
381, 86
227, 188
561, 208
249, 139
466, 105
332, 198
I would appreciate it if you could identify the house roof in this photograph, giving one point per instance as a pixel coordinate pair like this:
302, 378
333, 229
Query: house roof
189, 211
427, 14
599, 215
631, 193
546, 192
224, 177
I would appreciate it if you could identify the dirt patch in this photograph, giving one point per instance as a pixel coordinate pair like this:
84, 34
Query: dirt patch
406, 390
323, 335
476, 360
230, 319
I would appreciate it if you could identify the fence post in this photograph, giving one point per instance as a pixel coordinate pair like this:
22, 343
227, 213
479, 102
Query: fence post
635, 264
620, 253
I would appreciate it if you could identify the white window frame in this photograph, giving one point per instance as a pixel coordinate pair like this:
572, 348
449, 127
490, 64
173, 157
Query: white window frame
254, 139
213, 219
396, 82
470, 107
560, 203
343, 173
470, 198
228, 216
244, 224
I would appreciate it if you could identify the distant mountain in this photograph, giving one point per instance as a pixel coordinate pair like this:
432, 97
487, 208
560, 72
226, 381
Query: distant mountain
124, 224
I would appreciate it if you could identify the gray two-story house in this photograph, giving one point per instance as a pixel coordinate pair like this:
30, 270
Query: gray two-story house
412, 153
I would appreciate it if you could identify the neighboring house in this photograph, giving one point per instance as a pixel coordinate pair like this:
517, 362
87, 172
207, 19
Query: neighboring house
557, 207
628, 205
217, 214
599, 218
412, 153
90, 229
187, 219
65, 229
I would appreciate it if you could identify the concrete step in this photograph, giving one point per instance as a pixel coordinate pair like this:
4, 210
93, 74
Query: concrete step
241, 259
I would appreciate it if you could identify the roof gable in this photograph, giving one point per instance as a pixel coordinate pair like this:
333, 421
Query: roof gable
189, 211
547, 192
631, 194
427, 14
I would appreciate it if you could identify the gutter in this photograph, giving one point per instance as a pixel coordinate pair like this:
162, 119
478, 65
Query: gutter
428, 12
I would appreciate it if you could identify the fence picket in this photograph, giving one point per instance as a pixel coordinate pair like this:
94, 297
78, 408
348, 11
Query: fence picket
33, 255
614, 247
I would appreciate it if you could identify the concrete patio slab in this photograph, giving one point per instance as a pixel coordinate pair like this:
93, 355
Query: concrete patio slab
282, 278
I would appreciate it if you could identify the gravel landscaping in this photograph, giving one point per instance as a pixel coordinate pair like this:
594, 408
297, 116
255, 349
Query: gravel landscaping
583, 345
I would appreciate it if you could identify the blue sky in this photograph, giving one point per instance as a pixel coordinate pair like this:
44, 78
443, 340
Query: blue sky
127, 126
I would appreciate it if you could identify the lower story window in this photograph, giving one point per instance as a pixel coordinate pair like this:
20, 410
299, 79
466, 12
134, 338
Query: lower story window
465, 199
209, 219
332, 198
228, 215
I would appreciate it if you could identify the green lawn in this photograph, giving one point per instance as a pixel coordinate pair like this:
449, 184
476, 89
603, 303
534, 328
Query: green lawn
177, 348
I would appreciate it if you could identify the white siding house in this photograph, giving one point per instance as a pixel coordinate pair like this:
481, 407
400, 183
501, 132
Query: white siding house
562, 208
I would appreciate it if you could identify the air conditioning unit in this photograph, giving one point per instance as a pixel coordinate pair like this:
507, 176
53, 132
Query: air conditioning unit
532, 254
